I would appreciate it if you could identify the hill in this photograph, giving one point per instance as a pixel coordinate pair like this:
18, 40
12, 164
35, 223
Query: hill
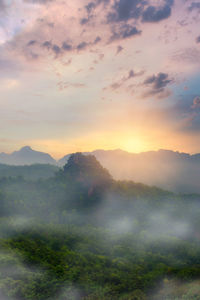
174, 171
26, 156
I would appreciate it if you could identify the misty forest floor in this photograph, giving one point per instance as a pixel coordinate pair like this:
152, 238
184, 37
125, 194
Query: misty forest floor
82, 235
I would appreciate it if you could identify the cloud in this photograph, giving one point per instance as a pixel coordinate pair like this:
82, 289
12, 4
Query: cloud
112, 20
66, 46
131, 74
56, 49
196, 102
157, 84
84, 21
159, 81
53, 47
124, 31
119, 49
198, 39
157, 14
191, 120
31, 43
187, 55
194, 6
90, 7
63, 85
97, 40
125, 10
121, 82
93, 4
47, 45
82, 46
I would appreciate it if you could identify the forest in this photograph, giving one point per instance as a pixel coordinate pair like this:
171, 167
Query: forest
76, 233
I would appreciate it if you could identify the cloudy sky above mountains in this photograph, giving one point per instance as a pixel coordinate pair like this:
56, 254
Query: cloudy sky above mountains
80, 75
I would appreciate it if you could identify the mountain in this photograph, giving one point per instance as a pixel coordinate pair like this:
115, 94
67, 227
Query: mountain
26, 156
174, 171
86, 168
87, 181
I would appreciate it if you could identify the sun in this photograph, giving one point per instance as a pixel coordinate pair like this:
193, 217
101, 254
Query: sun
134, 144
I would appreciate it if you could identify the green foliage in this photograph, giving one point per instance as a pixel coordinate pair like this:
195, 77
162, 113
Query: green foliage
29, 172
82, 235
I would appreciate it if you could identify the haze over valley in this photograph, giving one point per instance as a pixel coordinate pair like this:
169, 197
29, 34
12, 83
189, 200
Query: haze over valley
173, 171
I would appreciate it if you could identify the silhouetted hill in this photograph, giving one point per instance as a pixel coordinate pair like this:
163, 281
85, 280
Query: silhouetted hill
87, 180
26, 156
86, 168
175, 171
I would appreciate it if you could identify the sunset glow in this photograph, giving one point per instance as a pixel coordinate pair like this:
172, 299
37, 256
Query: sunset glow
81, 75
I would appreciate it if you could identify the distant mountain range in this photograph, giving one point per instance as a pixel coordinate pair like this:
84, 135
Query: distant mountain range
174, 171
26, 156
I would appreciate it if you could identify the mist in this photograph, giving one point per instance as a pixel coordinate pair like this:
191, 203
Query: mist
173, 171
83, 235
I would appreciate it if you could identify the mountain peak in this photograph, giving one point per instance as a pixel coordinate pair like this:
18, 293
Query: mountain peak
87, 166
26, 148
26, 156
87, 180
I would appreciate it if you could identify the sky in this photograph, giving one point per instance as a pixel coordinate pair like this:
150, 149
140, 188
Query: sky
101, 74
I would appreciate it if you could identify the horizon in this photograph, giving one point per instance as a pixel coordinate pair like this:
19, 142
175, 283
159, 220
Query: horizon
85, 151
